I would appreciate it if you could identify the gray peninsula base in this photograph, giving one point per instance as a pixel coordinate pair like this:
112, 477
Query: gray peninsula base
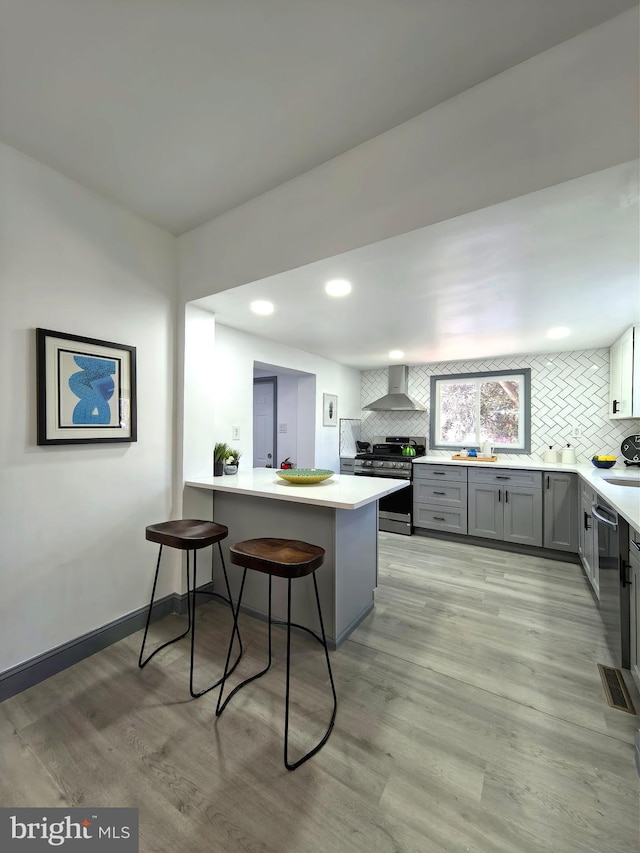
346, 580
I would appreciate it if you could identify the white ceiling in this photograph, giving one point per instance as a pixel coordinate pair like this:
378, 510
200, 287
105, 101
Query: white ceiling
485, 284
183, 109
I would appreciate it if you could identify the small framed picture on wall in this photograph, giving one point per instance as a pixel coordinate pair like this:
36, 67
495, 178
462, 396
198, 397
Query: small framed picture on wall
329, 410
86, 389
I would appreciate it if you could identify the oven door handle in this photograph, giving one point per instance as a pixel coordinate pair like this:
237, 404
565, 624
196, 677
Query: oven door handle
610, 522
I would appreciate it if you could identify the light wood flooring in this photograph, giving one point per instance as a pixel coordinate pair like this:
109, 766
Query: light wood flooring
471, 718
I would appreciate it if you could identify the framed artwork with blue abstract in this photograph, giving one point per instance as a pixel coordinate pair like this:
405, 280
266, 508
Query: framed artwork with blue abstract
86, 389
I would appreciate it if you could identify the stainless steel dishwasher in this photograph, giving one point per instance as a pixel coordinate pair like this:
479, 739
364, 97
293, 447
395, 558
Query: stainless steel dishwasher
612, 551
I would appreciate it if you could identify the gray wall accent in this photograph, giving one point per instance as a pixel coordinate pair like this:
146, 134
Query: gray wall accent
43, 666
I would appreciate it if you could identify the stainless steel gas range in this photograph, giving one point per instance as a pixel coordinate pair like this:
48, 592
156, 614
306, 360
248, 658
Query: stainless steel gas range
386, 459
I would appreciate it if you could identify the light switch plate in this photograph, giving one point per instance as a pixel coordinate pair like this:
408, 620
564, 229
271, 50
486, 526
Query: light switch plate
282, 428
235, 433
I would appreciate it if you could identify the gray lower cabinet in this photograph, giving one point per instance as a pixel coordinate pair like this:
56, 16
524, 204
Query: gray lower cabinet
440, 497
560, 501
506, 505
586, 539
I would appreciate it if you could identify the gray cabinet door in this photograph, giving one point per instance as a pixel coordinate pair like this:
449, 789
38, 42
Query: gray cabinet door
522, 515
486, 517
561, 511
587, 553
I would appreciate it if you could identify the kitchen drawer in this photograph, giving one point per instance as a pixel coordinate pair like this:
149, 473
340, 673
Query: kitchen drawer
441, 492
450, 473
347, 465
506, 477
436, 517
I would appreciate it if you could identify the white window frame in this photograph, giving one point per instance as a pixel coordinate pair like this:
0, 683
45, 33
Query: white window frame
524, 414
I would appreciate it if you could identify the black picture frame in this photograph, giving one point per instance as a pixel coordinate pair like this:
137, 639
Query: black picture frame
86, 389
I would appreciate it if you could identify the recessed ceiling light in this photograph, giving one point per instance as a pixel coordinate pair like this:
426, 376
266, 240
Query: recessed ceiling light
338, 287
261, 306
558, 332
396, 353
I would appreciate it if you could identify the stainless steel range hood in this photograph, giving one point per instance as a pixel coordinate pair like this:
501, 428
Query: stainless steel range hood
397, 400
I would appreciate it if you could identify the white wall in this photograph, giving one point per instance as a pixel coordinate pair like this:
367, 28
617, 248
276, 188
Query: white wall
72, 519
568, 389
199, 383
570, 111
231, 387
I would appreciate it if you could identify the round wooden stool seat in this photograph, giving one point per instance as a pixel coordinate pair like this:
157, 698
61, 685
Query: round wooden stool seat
285, 558
188, 534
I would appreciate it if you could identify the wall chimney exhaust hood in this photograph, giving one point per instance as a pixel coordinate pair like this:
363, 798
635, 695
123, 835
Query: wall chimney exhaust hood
397, 400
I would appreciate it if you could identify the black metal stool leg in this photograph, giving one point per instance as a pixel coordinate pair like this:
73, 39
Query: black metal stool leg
191, 602
235, 624
142, 662
220, 707
325, 737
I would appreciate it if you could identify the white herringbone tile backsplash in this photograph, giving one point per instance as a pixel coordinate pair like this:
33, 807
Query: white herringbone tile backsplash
567, 389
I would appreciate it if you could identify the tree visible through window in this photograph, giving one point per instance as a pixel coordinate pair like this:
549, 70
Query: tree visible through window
468, 409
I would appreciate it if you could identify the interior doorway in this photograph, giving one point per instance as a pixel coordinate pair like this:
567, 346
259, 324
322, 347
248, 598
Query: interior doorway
265, 416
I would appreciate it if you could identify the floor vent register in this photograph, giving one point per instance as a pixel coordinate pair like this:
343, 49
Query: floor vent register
615, 689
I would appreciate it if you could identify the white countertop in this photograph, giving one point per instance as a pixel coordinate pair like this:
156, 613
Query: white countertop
624, 499
341, 491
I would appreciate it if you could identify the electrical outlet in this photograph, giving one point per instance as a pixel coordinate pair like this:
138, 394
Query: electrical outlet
576, 432
282, 428
235, 433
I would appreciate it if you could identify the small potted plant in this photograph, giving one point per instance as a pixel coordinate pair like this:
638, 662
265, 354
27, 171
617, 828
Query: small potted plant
232, 460
220, 453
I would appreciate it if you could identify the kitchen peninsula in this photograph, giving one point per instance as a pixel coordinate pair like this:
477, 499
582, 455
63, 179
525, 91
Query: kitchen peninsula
339, 514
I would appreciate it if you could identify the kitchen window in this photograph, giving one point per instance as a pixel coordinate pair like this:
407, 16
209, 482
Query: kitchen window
470, 408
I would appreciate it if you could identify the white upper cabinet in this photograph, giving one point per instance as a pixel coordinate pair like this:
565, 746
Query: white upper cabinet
624, 376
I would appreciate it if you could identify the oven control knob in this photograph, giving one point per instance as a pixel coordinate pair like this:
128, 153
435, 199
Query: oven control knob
380, 464
393, 464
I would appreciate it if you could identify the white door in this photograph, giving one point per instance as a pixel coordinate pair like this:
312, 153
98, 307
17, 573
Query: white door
263, 420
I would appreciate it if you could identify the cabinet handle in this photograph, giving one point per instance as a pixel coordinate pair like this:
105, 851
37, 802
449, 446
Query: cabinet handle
438, 518
498, 477
624, 578
616, 406
439, 473
587, 526
439, 493
637, 544
506, 496
548, 479
499, 495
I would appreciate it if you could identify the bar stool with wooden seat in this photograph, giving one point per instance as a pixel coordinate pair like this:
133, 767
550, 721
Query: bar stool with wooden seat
188, 535
284, 558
